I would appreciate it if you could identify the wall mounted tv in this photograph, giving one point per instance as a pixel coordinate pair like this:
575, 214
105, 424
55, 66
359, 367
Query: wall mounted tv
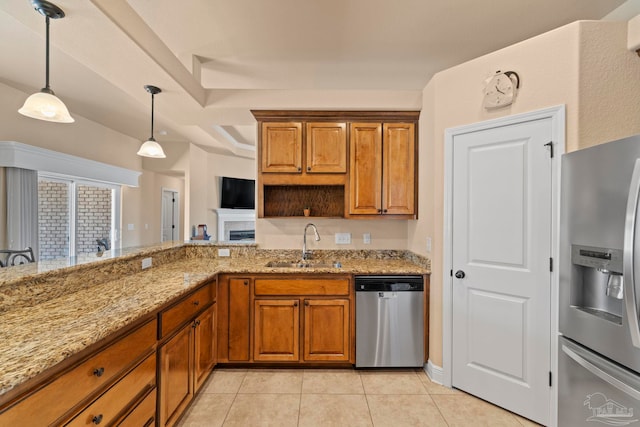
238, 193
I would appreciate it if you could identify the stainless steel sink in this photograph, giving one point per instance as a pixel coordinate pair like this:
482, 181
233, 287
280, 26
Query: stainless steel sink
304, 264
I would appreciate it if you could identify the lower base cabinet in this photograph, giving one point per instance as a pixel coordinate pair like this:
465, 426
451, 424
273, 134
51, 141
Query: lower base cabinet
186, 360
326, 330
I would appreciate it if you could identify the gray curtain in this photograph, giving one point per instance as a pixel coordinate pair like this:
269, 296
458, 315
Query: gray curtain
22, 209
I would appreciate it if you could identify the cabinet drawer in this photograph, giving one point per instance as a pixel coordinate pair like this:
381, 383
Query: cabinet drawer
185, 310
144, 414
52, 401
118, 398
301, 286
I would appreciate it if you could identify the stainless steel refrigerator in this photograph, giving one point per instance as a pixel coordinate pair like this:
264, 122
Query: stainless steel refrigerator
599, 343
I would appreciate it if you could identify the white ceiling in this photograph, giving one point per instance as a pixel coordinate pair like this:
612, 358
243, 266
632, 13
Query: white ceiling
217, 59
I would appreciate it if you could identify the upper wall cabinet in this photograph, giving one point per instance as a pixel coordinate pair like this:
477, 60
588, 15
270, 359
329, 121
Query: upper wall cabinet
326, 147
340, 164
382, 170
282, 147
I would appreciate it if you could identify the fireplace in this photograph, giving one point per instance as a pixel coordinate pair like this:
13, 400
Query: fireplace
236, 225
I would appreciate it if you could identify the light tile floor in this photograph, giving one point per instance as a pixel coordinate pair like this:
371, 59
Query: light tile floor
329, 397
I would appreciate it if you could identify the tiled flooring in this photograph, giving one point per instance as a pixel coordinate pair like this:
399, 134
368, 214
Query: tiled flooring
323, 397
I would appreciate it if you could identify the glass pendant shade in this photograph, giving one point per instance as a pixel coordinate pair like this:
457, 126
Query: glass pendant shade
151, 148
46, 106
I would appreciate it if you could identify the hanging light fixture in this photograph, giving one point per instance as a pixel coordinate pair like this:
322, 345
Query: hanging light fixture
45, 105
151, 148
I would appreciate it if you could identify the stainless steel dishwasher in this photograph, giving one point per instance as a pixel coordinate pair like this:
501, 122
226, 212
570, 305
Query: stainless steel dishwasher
389, 321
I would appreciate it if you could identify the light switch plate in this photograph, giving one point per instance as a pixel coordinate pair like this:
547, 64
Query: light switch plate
428, 244
146, 263
366, 238
343, 238
130, 227
224, 252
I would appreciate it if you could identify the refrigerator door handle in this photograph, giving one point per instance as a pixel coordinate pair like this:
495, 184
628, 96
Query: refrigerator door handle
600, 373
629, 286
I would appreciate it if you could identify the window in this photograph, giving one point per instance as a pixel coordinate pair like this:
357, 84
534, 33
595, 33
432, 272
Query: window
73, 214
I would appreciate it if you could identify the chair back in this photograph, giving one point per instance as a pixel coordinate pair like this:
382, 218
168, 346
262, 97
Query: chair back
9, 257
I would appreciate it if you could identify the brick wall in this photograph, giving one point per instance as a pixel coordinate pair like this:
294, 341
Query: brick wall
53, 219
93, 217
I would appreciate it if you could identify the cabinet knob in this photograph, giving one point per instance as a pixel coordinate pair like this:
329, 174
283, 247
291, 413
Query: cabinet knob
196, 303
299, 169
308, 168
97, 419
295, 304
306, 303
246, 282
384, 211
379, 210
98, 372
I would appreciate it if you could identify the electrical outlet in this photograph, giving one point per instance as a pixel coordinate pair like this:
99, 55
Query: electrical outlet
343, 238
130, 227
366, 238
146, 263
224, 252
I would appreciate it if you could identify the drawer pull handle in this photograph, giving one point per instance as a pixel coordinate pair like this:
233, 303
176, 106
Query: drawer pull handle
98, 372
196, 303
97, 419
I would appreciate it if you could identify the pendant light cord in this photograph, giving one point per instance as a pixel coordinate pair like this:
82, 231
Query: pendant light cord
152, 104
47, 58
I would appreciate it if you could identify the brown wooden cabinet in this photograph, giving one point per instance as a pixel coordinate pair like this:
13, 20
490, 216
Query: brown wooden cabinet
281, 147
205, 346
326, 330
326, 147
276, 330
286, 318
103, 384
176, 379
340, 164
187, 355
382, 169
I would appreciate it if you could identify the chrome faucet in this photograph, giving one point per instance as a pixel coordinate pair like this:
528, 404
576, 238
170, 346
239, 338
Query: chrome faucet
305, 253
103, 245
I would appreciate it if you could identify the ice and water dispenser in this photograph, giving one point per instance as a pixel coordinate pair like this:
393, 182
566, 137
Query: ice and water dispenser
596, 281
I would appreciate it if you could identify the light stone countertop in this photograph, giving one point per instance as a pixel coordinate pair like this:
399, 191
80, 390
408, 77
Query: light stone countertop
35, 337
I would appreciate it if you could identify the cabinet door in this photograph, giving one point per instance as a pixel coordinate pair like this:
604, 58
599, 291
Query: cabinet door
326, 148
326, 330
282, 147
398, 169
239, 319
365, 173
277, 330
176, 386
205, 348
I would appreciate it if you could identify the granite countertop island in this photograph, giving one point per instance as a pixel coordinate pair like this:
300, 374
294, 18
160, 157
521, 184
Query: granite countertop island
49, 314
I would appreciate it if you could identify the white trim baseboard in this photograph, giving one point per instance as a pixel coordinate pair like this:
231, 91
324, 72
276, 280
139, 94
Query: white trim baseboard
434, 372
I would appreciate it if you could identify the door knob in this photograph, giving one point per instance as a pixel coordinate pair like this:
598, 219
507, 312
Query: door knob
460, 274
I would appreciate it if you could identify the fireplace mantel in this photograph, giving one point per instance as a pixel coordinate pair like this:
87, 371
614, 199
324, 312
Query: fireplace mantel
226, 218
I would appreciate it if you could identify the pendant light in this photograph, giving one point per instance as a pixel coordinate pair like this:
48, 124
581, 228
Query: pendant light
151, 148
45, 105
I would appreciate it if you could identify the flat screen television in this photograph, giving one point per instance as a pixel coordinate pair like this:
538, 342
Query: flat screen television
237, 193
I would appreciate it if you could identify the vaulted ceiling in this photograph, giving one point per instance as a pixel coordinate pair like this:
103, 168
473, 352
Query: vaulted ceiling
217, 59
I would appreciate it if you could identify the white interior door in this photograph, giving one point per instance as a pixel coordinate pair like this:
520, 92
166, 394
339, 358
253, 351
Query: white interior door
170, 212
501, 249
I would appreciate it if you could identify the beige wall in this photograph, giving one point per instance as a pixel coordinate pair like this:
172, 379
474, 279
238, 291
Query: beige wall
584, 66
